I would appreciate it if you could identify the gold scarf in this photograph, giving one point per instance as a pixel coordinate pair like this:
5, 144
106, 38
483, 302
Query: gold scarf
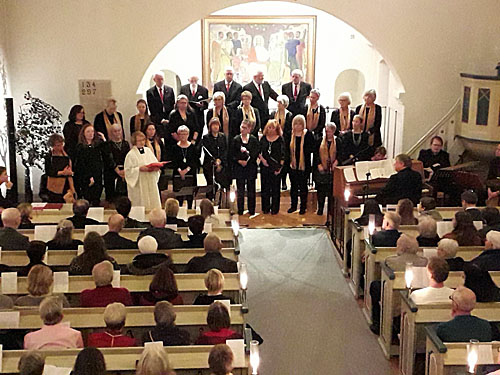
327, 155
345, 122
369, 121
225, 119
137, 123
280, 116
312, 118
109, 124
302, 162
249, 114
156, 149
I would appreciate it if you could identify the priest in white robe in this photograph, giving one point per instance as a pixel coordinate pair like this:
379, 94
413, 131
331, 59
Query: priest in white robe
142, 181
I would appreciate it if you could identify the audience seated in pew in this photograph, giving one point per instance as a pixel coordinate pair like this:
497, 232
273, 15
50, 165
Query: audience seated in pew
114, 316
220, 360
427, 232
447, 249
166, 330
196, 223
489, 259
154, 361
428, 207
149, 261
469, 202
123, 207
219, 323
406, 252
94, 252
40, 281
212, 258
31, 363
163, 287
371, 207
36, 251
26, 212
80, 211
214, 282
405, 210
172, 210
464, 327
464, 231
112, 238
54, 333
480, 282
208, 212
63, 239
90, 361
389, 234
6, 302
491, 216
10, 238
437, 270
166, 237
104, 293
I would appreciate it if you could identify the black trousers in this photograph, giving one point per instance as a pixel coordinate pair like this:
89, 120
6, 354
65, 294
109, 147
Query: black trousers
240, 191
110, 178
93, 193
270, 190
324, 191
376, 295
298, 181
284, 172
221, 178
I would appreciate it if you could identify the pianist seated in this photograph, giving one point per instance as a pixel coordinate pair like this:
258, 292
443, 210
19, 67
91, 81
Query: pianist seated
355, 146
435, 157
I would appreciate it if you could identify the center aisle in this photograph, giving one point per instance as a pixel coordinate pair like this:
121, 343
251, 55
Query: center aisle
301, 305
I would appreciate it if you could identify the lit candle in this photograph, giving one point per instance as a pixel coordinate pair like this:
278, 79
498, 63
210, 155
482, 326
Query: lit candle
347, 195
371, 224
243, 276
235, 225
472, 355
254, 356
409, 274
232, 196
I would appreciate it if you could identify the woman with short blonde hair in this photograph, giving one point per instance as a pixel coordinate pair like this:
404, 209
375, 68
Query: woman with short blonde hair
245, 111
214, 282
114, 316
154, 361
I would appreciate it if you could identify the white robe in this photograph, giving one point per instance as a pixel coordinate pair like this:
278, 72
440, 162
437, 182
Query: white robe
142, 186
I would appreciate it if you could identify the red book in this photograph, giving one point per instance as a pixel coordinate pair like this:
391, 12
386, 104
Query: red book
157, 164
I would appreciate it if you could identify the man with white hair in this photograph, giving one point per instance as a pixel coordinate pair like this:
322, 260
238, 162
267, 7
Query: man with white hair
148, 261
261, 92
112, 238
231, 89
447, 249
161, 101
297, 92
166, 237
195, 93
114, 175
489, 259
10, 238
104, 120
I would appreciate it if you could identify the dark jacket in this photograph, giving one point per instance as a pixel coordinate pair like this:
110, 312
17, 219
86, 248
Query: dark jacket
71, 131
205, 299
430, 160
79, 221
200, 94
386, 238
211, 260
233, 97
360, 151
175, 220
405, 184
335, 118
428, 242
11, 239
52, 245
463, 328
171, 335
100, 125
132, 223
26, 269
488, 260
195, 241
258, 102
375, 130
456, 264
253, 148
160, 110
237, 118
166, 238
475, 214
83, 264
147, 264
113, 241
297, 107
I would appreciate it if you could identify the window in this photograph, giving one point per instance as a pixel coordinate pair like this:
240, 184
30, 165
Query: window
483, 106
466, 104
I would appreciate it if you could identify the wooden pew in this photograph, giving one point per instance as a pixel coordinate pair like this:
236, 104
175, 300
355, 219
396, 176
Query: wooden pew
414, 318
186, 360
447, 358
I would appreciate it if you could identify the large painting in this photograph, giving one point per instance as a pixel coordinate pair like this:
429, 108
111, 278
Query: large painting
275, 45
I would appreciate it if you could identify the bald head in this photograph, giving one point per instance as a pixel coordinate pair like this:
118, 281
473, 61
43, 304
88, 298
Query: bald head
11, 218
115, 223
464, 301
212, 244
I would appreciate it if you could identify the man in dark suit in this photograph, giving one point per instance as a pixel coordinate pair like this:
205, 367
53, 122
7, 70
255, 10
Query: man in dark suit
231, 89
406, 183
389, 235
112, 238
80, 211
297, 92
489, 259
469, 201
261, 92
166, 237
10, 238
103, 124
195, 93
212, 258
161, 101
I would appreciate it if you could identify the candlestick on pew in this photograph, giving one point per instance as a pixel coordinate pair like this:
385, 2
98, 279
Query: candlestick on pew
472, 355
371, 226
254, 356
242, 269
409, 276
347, 195
232, 198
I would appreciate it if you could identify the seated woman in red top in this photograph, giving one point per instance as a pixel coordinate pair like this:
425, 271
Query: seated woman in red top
114, 317
104, 293
219, 322
163, 287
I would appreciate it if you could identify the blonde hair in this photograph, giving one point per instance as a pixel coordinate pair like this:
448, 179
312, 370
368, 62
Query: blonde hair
283, 99
153, 361
40, 279
219, 94
172, 207
246, 94
25, 209
206, 208
115, 315
51, 310
182, 129
214, 280
103, 273
272, 124
299, 119
135, 135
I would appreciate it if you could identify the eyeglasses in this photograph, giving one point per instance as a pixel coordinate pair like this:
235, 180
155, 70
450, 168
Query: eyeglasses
451, 297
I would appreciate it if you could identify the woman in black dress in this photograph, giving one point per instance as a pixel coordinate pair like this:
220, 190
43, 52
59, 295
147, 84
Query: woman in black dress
139, 121
272, 158
59, 172
183, 114
315, 116
220, 111
72, 129
245, 112
325, 162
185, 162
215, 162
284, 118
371, 116
245, 150
342, 116
90, 159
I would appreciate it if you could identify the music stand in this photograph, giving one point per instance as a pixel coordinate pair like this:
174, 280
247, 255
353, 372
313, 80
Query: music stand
186, 191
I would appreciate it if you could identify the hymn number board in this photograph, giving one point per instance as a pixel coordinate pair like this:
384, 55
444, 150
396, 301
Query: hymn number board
93, 95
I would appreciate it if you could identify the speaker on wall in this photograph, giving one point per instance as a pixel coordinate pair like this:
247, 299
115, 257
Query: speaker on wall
11, 140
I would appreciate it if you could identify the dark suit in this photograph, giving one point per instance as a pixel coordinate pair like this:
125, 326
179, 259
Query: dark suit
233, 97
386, 238
475, 214
11, 239
463, 328
166, 238
160, 110
377, 124
258, 102
211, 260
488, 260
404, 184
335, 118
100, 125
79, 222
113, 241
298, 106
429, 159
200, 94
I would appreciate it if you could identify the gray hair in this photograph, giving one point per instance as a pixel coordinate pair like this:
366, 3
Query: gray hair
158, 73
228, 69
345, 95
406, 245
315, 91
157, 217
51, 310
448, 248
427, 226
297, 71
283, 99
219, 94
331, 125
102, 273
115, 315
182, 128
371, 92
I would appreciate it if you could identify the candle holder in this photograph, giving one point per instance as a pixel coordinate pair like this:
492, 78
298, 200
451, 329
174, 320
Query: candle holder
347, 195
409, 276
254, 356
232, 199
243, 287
371, 226
472, 355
